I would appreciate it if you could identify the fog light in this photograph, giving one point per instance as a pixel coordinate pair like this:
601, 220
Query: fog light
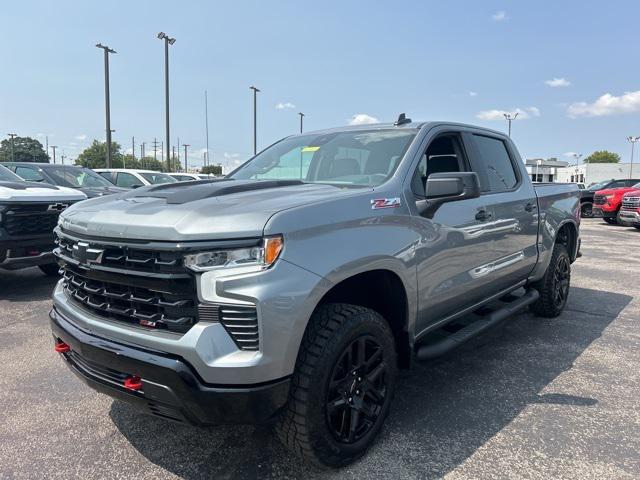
62, 347
133, 382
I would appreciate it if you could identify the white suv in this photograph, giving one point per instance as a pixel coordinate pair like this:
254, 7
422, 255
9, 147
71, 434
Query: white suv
129, 178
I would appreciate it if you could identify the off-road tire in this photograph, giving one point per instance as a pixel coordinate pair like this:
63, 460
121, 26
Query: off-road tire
547, 304
586, 209
50, 269
304, 425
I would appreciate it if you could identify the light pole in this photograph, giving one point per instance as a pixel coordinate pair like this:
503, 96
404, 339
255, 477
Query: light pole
206, 125
107, 51
301, 117
12, 135
633, 141
255, 119
185, 145
510, 118
167, 41
53, 147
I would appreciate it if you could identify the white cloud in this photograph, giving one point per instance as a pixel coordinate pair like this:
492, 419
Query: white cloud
232, 160
284, 105
558, 82
81, 137
570, 154
523, 113
42, 135
362, 119
500, 16
605, 105
473, 94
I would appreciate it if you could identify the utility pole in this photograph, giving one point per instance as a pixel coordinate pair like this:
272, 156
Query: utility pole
301, 117
107, 51
173, 157
133, 147
46, 139
176, 165
185, 145
53, 147
155, 149
142, 154
167, 41
13, 156
510, 118
255, 119
206, 123
633, 141
63, 156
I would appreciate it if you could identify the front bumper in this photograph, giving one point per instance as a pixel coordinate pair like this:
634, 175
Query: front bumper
631, 217
170, 387
598, 212
26, 252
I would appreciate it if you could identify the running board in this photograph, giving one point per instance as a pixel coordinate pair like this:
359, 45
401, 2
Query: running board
456, 339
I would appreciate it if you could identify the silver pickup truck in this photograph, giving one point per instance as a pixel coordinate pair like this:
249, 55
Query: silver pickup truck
294, 289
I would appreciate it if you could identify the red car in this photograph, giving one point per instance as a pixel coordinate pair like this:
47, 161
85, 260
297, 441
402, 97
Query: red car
630, 209
607, 203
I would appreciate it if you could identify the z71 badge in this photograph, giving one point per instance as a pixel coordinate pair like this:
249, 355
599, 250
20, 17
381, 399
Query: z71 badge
377, 203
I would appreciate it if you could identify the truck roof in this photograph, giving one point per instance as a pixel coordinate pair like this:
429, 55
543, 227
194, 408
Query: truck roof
391, 126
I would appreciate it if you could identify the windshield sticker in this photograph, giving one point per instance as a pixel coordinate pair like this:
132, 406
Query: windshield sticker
377, 203
310, 149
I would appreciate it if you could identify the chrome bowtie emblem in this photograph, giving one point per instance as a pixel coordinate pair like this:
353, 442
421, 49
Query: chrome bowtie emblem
83, 252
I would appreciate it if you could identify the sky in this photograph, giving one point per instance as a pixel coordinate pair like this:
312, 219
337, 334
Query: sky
569, 69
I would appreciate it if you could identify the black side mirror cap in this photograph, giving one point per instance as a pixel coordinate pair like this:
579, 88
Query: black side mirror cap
448, 187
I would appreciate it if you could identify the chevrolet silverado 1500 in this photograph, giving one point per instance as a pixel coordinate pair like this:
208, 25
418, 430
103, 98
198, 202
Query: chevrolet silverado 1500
294, 289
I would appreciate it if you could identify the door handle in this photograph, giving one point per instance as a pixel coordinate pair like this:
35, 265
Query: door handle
483, 215
530, 207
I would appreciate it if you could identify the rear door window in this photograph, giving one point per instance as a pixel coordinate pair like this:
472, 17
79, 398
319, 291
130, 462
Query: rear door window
29, 174
126, 180
498, 171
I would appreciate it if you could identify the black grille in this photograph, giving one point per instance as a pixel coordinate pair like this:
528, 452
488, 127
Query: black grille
32, 219
150, 303
598, 200
98, 372
631, 203
128, 259
240, 321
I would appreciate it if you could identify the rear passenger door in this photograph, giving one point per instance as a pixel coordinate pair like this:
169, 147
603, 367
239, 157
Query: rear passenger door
513, 202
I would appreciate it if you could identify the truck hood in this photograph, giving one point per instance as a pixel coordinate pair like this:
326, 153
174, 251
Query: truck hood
186, 211
93, 192
37, 192
614, 191
632, 193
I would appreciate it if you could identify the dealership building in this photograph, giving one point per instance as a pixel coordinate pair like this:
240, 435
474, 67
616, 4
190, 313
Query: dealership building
554, 170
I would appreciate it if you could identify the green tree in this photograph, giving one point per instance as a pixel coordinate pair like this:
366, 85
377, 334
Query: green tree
95, 155
603, 156
25, 149
212, 169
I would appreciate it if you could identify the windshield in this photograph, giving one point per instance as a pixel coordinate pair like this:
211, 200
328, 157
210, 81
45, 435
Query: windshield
352, 158
636, 186
599, 185
77, 177
155, 178
7, 175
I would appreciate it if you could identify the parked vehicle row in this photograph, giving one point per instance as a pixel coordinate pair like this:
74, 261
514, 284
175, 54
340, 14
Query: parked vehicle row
293, 290
615, 204
588, 196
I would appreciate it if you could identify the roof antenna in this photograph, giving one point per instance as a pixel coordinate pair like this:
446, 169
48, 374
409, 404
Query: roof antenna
402, 119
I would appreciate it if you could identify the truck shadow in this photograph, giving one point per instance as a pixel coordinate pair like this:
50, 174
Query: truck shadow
26, 285
443, 412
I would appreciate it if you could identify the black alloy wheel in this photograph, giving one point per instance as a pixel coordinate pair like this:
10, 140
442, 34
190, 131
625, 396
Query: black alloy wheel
356, 390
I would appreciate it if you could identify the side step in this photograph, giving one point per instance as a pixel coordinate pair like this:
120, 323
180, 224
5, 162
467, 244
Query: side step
456, 339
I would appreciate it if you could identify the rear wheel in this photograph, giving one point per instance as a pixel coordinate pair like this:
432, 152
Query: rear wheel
554, 286
637, 226
50, 269
342, 386
586, 209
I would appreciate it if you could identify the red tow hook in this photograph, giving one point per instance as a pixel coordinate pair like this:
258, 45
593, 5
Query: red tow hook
62, 347
133, 382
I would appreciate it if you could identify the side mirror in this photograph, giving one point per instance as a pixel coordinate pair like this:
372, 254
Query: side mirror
448, 187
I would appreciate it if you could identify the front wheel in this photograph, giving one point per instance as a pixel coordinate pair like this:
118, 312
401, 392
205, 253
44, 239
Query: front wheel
342, 386
554, 286
586, 210
610, 220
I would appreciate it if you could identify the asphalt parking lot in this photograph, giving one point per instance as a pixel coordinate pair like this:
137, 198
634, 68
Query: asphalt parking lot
533, 398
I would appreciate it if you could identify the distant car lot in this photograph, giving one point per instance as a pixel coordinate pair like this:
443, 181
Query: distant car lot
533, 398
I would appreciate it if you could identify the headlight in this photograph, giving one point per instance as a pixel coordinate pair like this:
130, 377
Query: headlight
258, 257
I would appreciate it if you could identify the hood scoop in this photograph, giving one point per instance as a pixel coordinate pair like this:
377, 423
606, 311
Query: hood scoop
185, 192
